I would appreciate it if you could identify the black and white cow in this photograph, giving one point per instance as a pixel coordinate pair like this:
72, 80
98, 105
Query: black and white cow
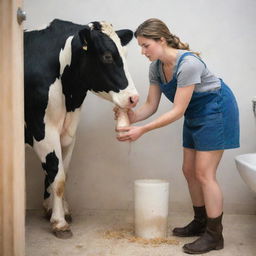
62, 63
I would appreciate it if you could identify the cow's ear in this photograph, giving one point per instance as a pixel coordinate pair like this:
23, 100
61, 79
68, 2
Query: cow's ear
125, 36
85, 35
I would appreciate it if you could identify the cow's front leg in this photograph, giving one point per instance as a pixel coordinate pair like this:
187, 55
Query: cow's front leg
67, 145
49, 151
47, 205
59, 225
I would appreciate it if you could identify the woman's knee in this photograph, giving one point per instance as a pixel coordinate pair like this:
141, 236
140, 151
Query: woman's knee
204, 177
188, 172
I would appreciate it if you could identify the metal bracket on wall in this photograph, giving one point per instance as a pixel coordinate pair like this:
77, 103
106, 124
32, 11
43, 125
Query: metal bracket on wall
254, 105
21, 15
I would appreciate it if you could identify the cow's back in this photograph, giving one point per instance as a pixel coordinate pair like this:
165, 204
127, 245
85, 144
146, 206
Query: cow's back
42, 48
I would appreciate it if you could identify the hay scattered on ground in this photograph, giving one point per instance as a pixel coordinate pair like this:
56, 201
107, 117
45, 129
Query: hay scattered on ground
128, 234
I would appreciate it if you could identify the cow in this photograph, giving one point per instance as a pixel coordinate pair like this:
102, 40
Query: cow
61, 64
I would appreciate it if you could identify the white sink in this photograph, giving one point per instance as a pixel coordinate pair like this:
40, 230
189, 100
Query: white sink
246, 165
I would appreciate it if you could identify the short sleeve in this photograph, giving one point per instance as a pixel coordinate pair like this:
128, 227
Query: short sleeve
190, 71
154, 73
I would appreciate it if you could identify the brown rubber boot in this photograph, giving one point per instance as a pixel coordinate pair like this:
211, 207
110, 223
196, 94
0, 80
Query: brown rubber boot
212, 239
196, 227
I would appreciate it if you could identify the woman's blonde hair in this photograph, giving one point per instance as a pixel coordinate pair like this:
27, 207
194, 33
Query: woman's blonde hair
155, 29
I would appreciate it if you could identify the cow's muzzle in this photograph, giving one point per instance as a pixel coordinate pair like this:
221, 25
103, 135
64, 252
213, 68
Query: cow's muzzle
134, 100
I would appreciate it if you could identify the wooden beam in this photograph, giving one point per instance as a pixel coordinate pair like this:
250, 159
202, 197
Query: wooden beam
12, 176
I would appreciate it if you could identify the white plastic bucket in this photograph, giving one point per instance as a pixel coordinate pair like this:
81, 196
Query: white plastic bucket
151, 200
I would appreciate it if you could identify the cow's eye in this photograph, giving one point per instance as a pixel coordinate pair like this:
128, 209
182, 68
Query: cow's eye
107, 57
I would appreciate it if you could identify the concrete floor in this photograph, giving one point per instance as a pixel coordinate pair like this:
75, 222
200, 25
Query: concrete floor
89, 236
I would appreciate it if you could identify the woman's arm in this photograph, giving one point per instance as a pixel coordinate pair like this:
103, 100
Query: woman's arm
147, 109
181, 101
150, 106
180, 104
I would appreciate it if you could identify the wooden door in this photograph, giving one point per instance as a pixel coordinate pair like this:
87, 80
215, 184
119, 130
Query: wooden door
12, 177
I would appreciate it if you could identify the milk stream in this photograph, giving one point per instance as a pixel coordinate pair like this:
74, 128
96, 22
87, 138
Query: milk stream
123, 121
129, 149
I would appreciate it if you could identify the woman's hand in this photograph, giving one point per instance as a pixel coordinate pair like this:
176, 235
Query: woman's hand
130, 113
130, 133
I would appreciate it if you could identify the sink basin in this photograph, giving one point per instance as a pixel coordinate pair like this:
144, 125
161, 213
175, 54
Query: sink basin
246, 165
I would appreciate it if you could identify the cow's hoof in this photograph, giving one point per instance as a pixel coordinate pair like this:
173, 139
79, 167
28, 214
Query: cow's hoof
63, 234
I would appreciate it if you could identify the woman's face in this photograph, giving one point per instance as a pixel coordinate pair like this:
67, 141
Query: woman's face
152, 49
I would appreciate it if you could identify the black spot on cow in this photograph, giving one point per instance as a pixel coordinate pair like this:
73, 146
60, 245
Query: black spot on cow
50, 165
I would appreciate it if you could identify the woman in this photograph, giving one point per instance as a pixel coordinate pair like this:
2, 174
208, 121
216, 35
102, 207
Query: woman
211, 125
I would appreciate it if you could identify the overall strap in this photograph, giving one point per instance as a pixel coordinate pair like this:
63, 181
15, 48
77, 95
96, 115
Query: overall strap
183, 56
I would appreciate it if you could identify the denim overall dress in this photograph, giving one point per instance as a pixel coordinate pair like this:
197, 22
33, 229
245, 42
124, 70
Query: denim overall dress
211, 120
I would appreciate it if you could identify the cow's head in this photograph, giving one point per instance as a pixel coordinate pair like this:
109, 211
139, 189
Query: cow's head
104, 61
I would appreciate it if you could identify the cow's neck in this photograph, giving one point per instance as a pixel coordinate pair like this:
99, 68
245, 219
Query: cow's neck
74, 88
74, 91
